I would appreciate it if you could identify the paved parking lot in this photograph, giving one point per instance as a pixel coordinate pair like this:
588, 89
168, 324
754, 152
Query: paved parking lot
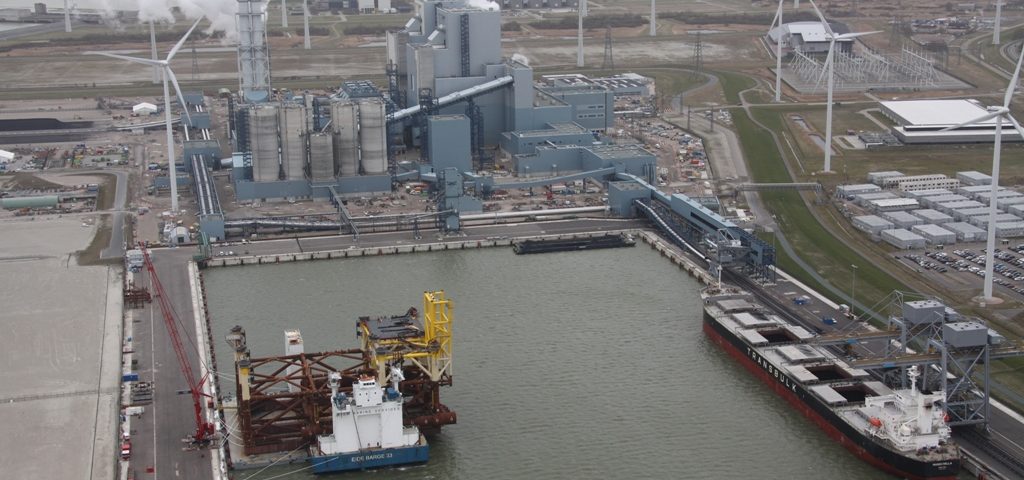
965, 267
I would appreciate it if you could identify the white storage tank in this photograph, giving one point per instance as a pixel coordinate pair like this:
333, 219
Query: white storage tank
372, 137
345, 126
293, 140
321, 157
263, 143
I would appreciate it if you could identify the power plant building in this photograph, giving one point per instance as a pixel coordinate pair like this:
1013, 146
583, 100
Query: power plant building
449, 92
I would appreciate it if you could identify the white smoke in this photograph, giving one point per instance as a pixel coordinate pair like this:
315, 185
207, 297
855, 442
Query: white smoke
483, 4
219, 13
518, 57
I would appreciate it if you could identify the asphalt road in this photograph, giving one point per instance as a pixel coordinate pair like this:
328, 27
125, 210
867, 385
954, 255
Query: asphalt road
115, 249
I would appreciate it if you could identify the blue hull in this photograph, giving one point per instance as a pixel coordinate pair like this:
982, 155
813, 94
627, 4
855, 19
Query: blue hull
371, 459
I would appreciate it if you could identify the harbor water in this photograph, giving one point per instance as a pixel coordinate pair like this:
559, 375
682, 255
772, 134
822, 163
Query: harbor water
566, 365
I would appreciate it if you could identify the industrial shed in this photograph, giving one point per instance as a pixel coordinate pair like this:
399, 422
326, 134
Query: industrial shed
893, 204
934, 234
903, 239
966, 214
981, 221
933, 192
863, 199
1010, 229
965, 232
934, 217
902, 219
872, 224
849, 191
878, 177
974, 178
931, 202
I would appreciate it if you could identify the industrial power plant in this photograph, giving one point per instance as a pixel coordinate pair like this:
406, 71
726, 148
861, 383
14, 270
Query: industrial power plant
450, 96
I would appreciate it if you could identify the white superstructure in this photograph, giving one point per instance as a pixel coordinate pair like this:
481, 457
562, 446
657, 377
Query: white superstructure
369, 418
908, 419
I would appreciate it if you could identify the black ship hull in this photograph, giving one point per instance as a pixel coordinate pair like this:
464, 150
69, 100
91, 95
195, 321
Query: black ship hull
818, 412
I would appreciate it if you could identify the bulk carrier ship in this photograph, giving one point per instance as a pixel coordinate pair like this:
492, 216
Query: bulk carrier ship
903, 432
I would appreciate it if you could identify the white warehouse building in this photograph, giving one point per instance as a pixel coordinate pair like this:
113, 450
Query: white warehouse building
922, 121
965, 232
974, 178
902, 219
935, 234
893, 204
931, 216
872, 224
903, 239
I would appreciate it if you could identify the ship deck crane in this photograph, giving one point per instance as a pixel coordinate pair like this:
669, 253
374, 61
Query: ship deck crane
204, 430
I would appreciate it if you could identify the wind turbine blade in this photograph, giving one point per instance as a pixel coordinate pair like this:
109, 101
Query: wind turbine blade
144, 61
778, 12
847, 36
181, 42
824, 22
177, 90
1013, 81
824, 68
980, 119
1020, 130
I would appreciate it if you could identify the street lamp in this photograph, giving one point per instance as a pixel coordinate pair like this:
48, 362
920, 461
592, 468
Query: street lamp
853, 292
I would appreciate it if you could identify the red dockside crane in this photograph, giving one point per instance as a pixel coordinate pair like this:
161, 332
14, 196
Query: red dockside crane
204, 430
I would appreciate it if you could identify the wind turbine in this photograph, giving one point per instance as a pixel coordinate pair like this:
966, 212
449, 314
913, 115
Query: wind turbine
777, 23
284, 13
165, 65
996, 113
999, 17
829, 64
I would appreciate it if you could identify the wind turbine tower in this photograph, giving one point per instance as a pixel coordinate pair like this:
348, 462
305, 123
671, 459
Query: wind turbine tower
284, 13
305, 24
152, 47
777, 23
998, 114
169, 79
67, 17
654, 20
999, 18
582, 11
829, 69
